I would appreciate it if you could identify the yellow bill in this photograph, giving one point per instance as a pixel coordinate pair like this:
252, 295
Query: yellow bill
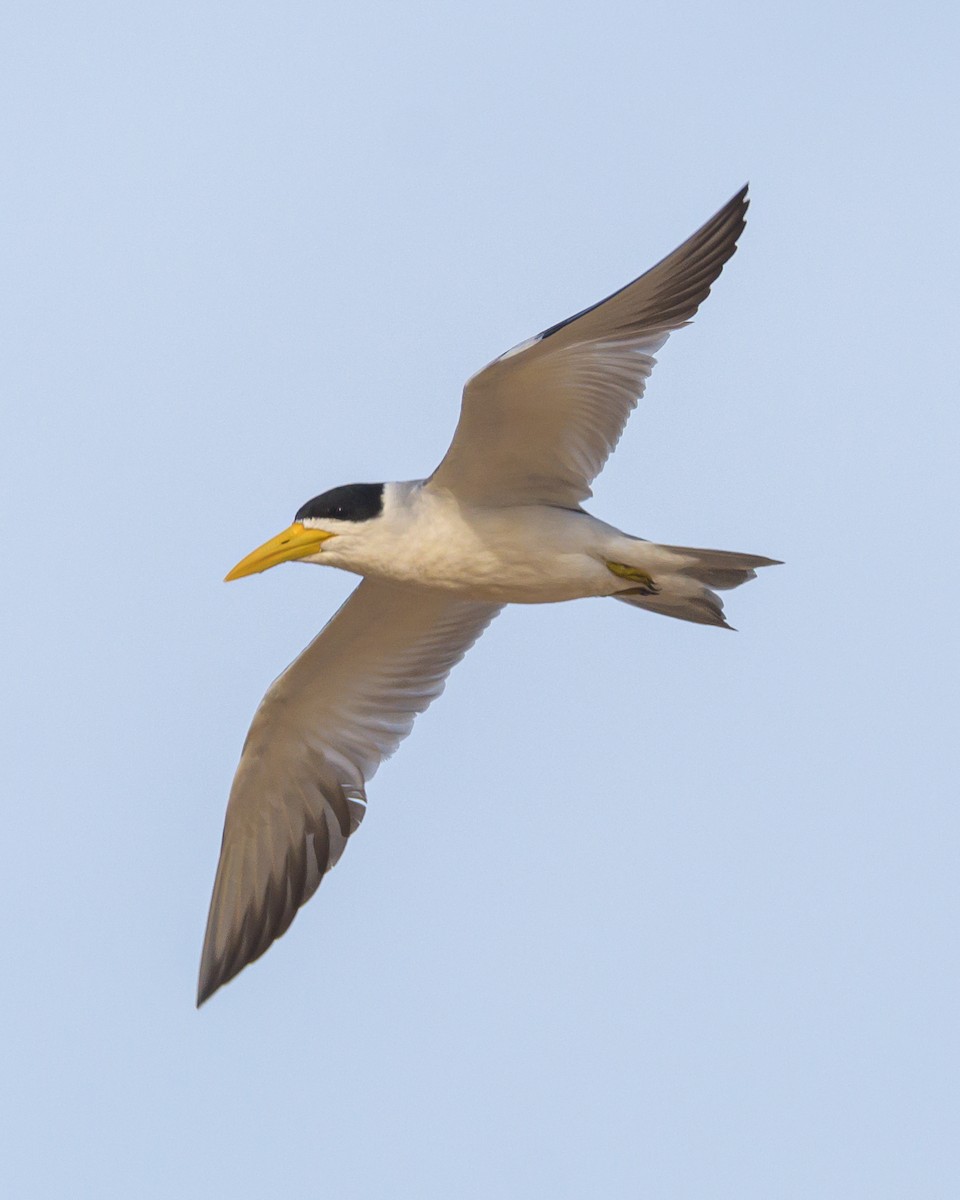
295, 542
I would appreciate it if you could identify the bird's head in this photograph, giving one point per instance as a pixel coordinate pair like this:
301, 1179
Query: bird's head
334, 514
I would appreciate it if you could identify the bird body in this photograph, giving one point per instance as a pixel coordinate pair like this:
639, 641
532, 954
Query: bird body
527, 554
521, 554
500, 521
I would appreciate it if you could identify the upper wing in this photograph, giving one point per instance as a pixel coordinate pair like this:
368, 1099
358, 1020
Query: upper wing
319, 734
537, 424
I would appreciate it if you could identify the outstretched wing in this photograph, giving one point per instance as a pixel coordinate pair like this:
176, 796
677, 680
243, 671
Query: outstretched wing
538, 423
318, 736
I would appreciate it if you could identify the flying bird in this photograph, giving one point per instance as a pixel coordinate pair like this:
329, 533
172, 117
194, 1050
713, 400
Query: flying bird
498, 522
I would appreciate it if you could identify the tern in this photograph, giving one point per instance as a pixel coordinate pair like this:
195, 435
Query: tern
498, 522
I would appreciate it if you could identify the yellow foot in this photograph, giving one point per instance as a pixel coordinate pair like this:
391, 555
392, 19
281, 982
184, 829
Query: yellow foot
645, 584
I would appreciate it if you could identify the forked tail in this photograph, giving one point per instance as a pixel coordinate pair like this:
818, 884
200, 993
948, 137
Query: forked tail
679, 581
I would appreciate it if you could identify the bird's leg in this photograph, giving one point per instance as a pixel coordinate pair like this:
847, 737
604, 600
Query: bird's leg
645, 584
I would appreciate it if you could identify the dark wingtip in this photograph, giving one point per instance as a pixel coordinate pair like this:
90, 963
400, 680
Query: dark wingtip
213, 978
205, 989
214, 973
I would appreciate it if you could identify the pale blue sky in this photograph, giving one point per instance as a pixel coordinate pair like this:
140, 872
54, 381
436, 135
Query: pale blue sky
642, 909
